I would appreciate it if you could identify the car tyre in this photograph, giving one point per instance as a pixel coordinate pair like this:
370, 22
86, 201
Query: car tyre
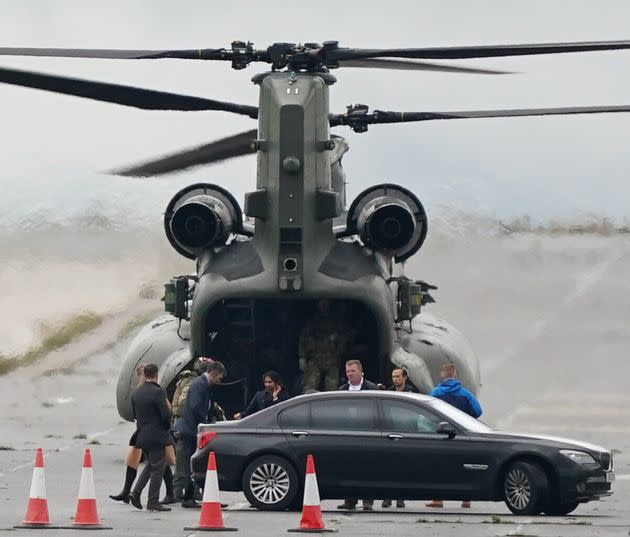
270, 483
525, 488
557, 507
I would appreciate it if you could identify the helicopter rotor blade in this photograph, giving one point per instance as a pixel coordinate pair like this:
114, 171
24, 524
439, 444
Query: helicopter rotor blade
119, 94
217, 151
113, 54
402, 65
358, 118
480, 51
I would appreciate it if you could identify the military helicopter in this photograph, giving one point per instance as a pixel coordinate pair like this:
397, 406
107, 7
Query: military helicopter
258, 277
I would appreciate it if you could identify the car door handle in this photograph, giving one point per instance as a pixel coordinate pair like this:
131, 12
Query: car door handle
395, 436
299, 433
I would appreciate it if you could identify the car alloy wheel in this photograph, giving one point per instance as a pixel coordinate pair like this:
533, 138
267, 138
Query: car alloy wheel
525, 488
270, 483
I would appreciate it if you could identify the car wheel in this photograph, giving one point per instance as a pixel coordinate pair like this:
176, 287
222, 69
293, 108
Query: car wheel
270, 483
559, 508
525, 488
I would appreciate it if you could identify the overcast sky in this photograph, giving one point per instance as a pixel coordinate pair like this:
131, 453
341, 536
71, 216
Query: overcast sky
53, 146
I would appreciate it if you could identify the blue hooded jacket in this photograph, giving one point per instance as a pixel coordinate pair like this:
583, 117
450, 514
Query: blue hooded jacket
452, 391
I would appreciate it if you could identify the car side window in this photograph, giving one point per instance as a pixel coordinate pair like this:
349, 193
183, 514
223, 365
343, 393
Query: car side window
344, 414
295, 417
404, 418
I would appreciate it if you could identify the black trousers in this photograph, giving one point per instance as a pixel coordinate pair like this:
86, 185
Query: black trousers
152, 473
185, 448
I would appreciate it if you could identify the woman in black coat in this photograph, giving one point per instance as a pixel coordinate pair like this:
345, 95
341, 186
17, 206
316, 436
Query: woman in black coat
274, 392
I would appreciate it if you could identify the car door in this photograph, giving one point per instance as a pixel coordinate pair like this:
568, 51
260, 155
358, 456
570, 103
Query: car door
343, 437
420, 462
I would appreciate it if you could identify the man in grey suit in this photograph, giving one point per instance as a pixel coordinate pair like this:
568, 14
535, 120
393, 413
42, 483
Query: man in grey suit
153, 419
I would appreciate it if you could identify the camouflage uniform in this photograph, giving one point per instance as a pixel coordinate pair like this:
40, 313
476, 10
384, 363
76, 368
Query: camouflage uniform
323, 342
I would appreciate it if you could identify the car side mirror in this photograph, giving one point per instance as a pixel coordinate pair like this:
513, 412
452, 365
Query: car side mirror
444, 427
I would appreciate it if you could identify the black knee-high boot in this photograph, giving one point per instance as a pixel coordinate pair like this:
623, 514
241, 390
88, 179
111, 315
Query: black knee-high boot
168, 482
130, 476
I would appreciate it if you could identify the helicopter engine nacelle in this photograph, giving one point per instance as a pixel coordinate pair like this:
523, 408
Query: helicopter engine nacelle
201, 216
389, 218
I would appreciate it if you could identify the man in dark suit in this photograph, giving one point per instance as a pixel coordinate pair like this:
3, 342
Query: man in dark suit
356, 382
153, 421
195, 411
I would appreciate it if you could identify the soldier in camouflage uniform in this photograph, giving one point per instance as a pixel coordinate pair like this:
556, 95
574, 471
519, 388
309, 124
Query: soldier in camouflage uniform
323, 343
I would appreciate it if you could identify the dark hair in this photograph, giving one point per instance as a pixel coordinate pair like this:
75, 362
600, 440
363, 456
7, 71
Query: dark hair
404, 372
216, 367
273, 376
150, 371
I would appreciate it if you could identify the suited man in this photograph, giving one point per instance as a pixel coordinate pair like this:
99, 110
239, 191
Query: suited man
195, 411
356, 382
153, 419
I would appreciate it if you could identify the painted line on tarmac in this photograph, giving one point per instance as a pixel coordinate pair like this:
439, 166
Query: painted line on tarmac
585, 282
237, 506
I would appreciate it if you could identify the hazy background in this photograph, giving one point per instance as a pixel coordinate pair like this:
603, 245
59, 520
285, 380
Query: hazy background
75, 239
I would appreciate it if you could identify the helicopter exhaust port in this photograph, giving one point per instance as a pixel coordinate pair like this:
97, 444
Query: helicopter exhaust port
390, 219
201, 216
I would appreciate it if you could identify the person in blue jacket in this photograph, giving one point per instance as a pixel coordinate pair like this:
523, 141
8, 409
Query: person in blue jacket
450, 390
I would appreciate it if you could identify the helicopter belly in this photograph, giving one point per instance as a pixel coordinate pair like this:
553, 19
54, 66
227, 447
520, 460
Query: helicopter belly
158, 343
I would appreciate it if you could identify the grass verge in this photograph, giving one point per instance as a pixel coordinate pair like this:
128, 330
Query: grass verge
56, 338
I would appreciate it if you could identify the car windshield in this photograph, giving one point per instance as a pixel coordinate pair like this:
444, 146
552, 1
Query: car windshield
458, 417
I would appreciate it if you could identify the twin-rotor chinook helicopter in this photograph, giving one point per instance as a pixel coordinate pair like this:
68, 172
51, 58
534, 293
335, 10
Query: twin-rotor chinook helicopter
257, 283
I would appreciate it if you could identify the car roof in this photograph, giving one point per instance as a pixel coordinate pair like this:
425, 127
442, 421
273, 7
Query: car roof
361, 393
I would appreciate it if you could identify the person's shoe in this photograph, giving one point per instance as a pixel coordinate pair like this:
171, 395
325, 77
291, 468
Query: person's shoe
386, 503
400, 503
191, 504
134, 499
435, 503
368, 507
168, 499
157, 507
466, 505
122, 497
347, 506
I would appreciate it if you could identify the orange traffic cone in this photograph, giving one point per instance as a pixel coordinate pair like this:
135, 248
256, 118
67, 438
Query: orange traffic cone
311, 511
37, 509
211, 518
86, 516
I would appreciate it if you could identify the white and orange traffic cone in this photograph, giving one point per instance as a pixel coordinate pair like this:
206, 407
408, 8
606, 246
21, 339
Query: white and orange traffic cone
37, 508
86, 516
211, 518
311, 506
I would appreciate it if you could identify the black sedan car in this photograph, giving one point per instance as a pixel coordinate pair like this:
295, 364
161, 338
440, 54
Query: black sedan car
381, 444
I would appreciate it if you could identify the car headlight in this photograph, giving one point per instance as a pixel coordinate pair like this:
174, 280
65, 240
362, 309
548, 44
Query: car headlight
578, 457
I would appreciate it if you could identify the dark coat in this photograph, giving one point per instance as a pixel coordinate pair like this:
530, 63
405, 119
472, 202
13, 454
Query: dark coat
196, 407
408, 388
263, 399
152, 416
367, 385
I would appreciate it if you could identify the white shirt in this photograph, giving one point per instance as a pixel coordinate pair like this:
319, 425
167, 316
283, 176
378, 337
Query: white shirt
355, 388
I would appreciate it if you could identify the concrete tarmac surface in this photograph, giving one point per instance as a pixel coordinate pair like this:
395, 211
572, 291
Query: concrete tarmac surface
547, 317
